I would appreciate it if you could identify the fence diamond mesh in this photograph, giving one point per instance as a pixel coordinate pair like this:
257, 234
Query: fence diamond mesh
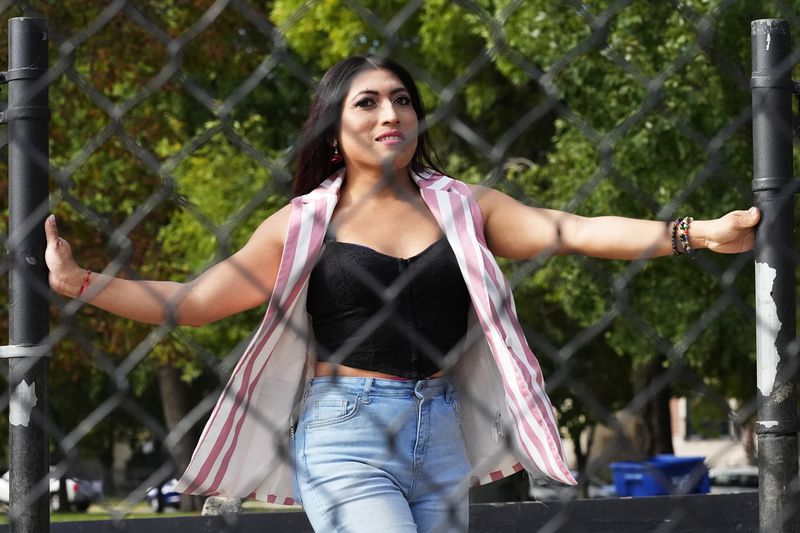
175, 132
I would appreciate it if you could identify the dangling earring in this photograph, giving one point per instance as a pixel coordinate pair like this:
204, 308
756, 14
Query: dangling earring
336, 158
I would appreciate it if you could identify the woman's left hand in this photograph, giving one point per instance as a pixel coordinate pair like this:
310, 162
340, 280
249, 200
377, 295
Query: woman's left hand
730, 234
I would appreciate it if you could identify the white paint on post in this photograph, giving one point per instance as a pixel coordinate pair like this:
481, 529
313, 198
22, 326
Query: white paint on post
767, 423
767, 327
23, 400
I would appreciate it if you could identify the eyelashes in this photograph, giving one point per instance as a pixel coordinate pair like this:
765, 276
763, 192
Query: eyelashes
370, 102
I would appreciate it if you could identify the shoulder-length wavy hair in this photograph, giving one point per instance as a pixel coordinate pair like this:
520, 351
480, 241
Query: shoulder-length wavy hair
322, 125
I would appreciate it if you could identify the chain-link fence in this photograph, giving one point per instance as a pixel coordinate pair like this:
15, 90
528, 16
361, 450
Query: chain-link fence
175, 130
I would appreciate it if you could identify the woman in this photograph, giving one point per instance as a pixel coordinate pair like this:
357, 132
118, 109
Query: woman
382, 422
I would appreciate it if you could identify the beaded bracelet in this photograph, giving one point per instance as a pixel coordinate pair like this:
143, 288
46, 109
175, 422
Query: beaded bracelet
675, 224
680, 233
85, 283
683, 233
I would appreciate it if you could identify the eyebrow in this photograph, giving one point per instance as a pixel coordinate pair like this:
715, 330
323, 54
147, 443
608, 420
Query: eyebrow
373, 92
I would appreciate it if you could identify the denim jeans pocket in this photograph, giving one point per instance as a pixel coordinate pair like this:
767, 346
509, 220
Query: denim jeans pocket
327, 411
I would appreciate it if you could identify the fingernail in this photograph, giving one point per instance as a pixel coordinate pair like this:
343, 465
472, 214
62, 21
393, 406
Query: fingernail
752, 210
52, 218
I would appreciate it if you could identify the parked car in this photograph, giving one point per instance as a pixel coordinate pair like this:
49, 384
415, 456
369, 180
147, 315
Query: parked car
168, 497
80, 492
546, 489
728, 479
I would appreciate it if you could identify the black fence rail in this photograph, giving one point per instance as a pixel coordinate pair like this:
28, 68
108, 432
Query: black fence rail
721, 513
774, 186
161, 134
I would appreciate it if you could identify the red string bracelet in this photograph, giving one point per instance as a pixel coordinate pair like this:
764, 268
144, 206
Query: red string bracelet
85, 283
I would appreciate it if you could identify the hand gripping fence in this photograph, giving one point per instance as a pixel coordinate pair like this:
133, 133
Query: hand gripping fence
169, 132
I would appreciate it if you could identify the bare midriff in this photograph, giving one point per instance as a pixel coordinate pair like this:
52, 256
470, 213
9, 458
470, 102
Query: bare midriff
330, 369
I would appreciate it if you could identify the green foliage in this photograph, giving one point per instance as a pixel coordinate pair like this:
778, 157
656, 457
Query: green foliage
634, 101
224, 195
706, 418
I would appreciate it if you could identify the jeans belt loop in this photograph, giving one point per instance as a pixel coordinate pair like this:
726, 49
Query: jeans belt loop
367, 386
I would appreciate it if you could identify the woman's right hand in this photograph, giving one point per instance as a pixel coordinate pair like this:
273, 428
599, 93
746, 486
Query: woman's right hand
65, 275
235, 284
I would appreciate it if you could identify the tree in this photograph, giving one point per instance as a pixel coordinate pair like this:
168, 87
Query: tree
590, 107
127, 173
632, 118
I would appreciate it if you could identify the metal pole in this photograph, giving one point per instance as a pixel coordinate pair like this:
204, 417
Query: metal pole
28, 121
773, 189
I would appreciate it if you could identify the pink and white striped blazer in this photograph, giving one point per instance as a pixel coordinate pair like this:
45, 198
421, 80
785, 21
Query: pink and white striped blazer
507, 419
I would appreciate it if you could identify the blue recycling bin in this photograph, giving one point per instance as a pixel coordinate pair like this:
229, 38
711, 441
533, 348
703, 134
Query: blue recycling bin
661, 475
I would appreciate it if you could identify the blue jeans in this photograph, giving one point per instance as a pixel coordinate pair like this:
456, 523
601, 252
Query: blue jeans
382, 455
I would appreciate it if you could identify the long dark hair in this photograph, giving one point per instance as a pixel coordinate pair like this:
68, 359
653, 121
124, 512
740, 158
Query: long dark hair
322, 124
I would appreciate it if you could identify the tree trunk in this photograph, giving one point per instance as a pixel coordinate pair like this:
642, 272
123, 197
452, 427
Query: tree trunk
582, 456
63, 505
174, 401
653, 424
749, 442
577, 448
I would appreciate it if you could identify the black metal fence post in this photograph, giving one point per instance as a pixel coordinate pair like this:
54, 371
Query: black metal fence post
27, 117
773, 188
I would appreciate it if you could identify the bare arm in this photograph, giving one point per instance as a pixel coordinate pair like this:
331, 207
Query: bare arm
518, 231
240, 282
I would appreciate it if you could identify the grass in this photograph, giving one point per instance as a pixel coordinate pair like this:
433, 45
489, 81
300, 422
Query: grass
113, 509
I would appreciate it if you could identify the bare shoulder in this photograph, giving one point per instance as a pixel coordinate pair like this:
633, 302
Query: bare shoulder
269, 236
274, 227
489, 199
516, 230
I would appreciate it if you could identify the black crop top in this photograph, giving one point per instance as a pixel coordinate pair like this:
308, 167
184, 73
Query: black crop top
377, 312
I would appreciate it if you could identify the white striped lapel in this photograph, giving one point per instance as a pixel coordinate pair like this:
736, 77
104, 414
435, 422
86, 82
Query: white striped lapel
459, 216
